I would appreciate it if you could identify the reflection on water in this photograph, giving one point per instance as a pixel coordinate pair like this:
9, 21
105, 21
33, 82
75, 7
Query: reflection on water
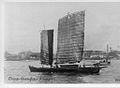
18, 72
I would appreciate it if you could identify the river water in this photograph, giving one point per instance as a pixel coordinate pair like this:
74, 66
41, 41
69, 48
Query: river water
18, 72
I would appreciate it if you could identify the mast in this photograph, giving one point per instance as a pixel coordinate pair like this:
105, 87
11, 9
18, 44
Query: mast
107, 52
40, 48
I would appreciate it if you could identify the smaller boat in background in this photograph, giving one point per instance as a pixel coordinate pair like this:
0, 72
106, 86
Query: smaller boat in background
106, 61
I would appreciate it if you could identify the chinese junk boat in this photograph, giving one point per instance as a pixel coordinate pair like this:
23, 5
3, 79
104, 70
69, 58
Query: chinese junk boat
70, 46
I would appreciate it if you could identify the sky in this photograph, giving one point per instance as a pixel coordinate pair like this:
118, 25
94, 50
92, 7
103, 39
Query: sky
24, 20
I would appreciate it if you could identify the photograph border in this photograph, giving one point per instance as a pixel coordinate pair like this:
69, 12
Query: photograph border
81, 85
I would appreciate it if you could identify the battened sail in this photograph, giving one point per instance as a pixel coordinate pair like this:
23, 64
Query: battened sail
47, 47
70, 43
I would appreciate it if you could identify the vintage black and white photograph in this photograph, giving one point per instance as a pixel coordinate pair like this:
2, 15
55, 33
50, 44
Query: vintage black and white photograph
61, 42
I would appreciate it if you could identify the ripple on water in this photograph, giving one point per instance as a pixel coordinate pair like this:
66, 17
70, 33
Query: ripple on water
20, 69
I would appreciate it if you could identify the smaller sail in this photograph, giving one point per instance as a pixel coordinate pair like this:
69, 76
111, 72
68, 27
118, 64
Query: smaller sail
47, 47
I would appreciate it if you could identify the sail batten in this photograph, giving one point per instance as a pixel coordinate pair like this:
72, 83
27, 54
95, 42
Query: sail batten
71, 37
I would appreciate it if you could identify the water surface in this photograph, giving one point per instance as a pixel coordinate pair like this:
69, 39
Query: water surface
18, 72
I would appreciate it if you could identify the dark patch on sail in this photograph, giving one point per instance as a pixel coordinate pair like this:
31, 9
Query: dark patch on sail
50, 46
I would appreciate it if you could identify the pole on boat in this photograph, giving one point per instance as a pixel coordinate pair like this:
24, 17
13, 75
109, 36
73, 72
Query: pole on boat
107, 53
40, 46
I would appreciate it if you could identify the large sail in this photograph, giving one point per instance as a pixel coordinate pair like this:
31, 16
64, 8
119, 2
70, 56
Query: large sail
70, 43
47, 47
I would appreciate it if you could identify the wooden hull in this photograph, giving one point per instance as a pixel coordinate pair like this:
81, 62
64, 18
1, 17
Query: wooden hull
86, 70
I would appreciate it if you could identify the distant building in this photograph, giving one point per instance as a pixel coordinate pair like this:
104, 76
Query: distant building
24, 55
29, 55
9, 56
35, 55
94, 54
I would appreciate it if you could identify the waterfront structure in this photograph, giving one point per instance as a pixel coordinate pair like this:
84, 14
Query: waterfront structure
89, 53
